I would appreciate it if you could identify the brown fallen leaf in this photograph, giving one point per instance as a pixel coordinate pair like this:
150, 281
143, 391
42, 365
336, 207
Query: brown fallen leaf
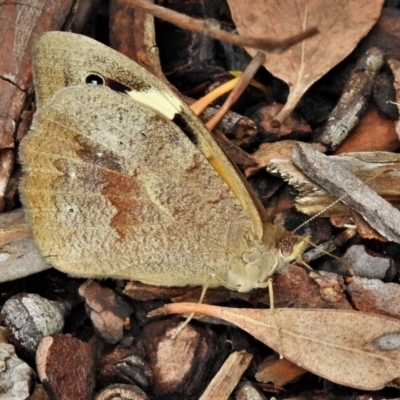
350, 348
342, 24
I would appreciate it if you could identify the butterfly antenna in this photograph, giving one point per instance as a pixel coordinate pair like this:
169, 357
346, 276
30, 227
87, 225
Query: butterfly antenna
319, 213
341, 198
344, 262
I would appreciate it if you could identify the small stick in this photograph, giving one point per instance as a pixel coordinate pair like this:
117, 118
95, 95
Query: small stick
211, 28
329, 246
353, 103
241, 86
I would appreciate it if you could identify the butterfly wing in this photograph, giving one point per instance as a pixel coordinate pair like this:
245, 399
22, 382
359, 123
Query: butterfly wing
65, 59
113, 189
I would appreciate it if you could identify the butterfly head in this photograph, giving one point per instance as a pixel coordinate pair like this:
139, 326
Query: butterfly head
262, 259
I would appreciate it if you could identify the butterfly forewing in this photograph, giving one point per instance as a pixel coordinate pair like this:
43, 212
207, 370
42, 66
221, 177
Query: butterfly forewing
65, 59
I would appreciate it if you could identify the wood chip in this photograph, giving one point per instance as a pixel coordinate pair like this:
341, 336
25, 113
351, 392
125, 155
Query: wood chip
228, 376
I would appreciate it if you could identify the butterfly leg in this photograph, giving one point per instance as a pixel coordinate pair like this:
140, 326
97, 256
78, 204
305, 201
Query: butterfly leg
189, 318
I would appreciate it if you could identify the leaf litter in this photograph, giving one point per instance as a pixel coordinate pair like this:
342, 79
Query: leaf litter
342, 24
351, 348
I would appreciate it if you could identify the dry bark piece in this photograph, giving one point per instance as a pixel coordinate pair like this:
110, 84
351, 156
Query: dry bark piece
248, 391
138, 44
66, 367
13, 226
225, 381
125, 365
19, 256
309, 60
333, 344
295, 127
122, 392
80, 15
279, 371
30, 317
373, 295
108, 312
384, 94
16, 377
294, 287
330, 286
142, 292
21, 23
373, 133
354, 101
367, 265
380, 214
395, 67
181, 366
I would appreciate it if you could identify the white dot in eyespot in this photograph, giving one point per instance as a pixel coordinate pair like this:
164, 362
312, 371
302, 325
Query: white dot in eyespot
99, 154
71, 209
72, 174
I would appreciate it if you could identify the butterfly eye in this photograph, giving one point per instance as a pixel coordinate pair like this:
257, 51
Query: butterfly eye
94, 79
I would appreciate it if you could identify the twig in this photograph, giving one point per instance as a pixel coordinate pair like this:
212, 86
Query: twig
241, 86
212, 28
354, 100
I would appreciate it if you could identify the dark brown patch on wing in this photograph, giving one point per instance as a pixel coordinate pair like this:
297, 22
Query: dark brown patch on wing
96, 154
129, 197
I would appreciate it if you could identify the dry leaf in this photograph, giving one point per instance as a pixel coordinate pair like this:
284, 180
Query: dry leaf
334, 344
342, 24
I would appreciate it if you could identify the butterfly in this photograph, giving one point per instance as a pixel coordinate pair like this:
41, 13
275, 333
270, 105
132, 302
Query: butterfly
121, 180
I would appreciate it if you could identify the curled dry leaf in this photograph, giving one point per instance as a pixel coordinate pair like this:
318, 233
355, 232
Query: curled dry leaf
342, 24
334, 344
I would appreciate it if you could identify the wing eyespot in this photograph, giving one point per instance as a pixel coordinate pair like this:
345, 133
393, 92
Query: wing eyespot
95, 79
